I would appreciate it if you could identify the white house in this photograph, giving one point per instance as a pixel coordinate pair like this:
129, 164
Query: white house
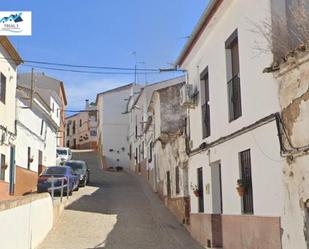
137, 111
36, 141
47, 86
8, 74
113, 126
232, 129
81, 128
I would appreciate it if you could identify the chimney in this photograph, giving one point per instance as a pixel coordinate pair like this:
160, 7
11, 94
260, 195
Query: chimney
87, 103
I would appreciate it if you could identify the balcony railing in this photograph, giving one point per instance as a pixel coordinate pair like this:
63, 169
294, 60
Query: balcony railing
234, 98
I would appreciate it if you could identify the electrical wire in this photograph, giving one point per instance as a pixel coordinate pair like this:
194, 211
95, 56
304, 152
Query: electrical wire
81, 66
88, 72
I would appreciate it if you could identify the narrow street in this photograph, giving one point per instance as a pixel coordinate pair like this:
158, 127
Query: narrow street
117, 211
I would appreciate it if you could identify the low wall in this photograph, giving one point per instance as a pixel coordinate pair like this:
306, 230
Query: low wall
236, 231
206, 229
4, 191
26, 181
25, 221
180, 207
251, 232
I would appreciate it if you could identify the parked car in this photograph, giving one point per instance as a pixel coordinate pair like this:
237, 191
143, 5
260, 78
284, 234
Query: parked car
63, 154
80, 168
58, 172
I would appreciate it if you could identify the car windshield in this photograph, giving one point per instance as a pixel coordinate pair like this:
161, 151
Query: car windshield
62, 152
55, 171
77, 167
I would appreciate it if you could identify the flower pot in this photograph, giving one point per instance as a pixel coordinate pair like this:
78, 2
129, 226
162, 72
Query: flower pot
241, 190
4, 166
196, 193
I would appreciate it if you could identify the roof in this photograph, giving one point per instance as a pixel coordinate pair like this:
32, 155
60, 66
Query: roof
120, 88
40, 99
8, 46
43, 81
150, 88
199, 28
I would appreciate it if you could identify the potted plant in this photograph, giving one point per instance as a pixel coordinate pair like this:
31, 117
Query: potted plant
196, 190
242, 185
4, 166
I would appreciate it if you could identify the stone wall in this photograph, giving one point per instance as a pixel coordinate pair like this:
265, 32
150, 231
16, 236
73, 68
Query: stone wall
294, 100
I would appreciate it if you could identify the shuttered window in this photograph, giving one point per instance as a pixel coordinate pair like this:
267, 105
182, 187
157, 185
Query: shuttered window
177, 180
2, 167
2, 88
233, 84
205, 103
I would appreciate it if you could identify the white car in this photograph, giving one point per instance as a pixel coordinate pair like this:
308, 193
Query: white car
63, 154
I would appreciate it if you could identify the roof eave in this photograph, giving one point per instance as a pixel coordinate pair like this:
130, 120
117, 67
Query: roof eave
5, 42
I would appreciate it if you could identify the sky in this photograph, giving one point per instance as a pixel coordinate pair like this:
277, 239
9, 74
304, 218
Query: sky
105, 33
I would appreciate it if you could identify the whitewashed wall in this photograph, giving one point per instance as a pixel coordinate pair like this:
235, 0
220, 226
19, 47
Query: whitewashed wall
31, 223
7, 110
259, 96
31, 120
114, 126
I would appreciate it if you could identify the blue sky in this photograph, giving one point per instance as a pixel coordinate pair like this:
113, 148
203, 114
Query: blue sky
105, 33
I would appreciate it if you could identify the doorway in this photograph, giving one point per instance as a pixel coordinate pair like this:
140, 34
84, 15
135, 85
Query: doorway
216, 186
201, 190
40, 162
12, 170
168, 183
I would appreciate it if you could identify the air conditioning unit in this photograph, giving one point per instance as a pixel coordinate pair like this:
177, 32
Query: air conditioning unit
186, 98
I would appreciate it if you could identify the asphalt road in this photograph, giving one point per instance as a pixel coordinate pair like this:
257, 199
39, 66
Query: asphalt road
117, 211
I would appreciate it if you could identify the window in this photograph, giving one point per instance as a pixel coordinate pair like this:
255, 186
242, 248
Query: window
130, 151
53, 107
150, 152
143, 151
205, 103
93, 133
74, 127
2, 167
177, 180
29, 158
245, 169
168, 184
68, 130
80, 123
68, 143
135, 127
233, 80
2, 88
42, 126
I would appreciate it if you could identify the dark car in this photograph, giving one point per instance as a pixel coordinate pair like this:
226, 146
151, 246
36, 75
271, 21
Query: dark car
57, 172
80, 168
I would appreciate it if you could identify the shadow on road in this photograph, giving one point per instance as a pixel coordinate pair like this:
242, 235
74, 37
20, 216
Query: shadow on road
141, 220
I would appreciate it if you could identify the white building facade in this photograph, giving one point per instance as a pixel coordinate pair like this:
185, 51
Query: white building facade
232, 130
8, 76
113, 126
36, 141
